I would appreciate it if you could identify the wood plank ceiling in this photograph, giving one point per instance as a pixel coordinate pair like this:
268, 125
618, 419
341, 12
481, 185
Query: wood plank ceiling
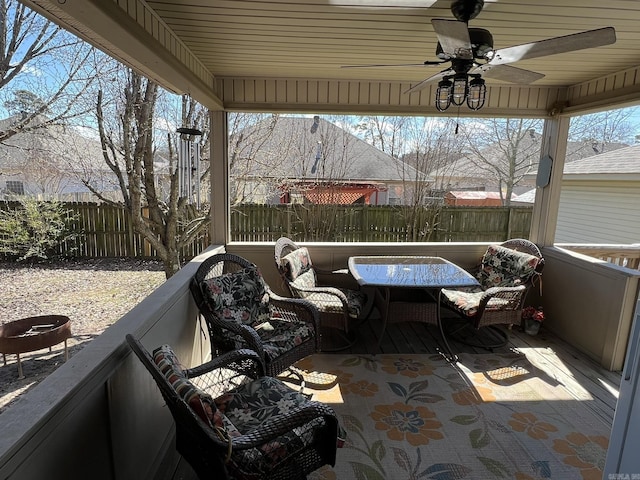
244, 44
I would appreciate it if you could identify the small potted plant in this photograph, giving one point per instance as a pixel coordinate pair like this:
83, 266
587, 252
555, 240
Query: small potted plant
532, 318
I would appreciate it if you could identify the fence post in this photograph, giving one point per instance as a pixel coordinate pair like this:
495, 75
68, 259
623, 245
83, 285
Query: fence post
364, 222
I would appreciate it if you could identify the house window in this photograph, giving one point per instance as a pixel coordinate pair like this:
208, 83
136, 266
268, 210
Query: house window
15, 186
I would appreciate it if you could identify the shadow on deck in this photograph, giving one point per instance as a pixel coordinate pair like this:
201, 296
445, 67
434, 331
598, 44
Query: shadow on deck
580, 375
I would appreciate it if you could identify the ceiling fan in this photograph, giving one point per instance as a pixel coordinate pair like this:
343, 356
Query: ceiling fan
471, 54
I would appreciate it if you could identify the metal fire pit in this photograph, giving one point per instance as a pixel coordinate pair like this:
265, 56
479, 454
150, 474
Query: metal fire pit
34, 333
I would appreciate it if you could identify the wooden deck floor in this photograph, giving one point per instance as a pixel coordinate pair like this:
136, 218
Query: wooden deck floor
581, 375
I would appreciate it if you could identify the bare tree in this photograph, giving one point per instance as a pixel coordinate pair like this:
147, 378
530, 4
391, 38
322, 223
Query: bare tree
50, 68
424, 148
256, 157
600, 132
384, 133
431, 146
325, 155
504, 149
129, 151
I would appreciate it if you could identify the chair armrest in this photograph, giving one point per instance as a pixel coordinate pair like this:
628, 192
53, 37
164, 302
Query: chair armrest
510, 298
295, 309
329, 292
244, 362
248, 334
281, 424
338, 278
341, 271
496, 291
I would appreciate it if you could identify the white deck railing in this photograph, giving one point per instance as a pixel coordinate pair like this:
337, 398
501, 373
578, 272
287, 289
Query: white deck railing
622, 255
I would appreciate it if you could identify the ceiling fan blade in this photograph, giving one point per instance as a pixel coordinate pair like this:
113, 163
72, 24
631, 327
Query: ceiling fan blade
508, 73
453, 37
553, 46
419, 86
394, 65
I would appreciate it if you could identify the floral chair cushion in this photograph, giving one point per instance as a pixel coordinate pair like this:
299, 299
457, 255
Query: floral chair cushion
240, 297
500, 267
251, 405
328, 303
299, 269
504, 267
199, 401
280, 336
467, 301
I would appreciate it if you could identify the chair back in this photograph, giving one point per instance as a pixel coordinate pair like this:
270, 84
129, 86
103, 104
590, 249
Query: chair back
295, 266
241, 296
195, 440
219, 289
503, 266
283, 247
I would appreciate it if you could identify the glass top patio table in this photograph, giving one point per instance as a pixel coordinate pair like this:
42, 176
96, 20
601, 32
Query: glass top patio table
409, 272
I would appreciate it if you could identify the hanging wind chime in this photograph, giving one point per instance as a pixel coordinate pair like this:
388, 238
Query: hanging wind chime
189, 165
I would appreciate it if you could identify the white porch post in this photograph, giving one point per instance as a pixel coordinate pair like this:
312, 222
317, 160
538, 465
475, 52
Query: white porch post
545, 209
219, 178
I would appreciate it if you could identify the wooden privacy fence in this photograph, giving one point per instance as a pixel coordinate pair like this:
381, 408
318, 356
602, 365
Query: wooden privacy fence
105, 231
364, 223
102, 230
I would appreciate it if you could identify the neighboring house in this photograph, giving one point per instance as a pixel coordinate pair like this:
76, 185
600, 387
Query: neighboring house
311, 160
50, 163
474, 199
471, 172
600, 199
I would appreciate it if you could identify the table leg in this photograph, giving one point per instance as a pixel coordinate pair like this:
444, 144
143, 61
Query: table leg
383, 297
451, 356
20, 374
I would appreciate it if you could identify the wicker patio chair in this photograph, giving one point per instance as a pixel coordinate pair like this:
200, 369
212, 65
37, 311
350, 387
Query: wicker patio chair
338, 306
233, 423
506, 273
241, 311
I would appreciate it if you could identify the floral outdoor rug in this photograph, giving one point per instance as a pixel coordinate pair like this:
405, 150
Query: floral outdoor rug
487, 417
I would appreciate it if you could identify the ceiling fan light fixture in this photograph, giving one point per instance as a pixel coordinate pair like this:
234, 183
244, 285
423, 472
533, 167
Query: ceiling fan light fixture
460, 89
443, 94
477, 93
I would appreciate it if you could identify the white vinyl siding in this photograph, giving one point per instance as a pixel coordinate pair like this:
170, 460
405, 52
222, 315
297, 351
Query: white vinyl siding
599, 212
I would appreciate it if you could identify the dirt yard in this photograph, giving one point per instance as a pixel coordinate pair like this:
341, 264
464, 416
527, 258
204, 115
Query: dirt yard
92, 293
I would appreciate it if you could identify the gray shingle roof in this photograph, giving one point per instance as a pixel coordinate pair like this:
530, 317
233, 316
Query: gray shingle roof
295, 148
622, 161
